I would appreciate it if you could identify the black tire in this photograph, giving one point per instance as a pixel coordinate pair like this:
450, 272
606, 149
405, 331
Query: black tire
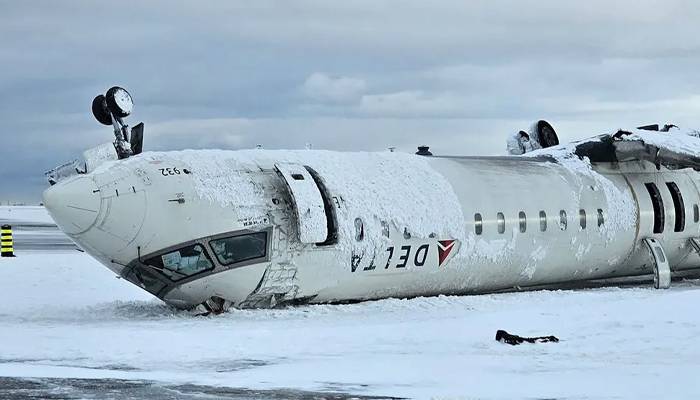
113, 104
100, 110
546, 134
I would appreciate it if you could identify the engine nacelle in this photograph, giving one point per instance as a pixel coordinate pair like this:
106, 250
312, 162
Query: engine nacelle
540, 136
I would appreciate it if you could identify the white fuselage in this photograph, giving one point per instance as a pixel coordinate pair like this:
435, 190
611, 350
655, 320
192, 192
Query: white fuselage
259, 227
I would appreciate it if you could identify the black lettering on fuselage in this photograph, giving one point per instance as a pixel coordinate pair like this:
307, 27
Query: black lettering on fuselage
391, 254
371, 265
423, 256
355, 261
417, 258
404, 257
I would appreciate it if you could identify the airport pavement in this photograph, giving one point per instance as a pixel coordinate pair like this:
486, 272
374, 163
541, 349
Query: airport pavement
38, 236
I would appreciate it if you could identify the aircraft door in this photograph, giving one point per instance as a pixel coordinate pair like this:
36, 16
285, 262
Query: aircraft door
308, 202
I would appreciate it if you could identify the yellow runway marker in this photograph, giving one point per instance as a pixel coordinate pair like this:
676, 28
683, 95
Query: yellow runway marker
6, 245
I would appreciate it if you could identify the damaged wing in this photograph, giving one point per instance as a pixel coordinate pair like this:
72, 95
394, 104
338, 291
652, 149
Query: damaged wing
669, 146
672, 148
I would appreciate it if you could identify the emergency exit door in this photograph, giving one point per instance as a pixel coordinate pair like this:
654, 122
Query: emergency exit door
308, 202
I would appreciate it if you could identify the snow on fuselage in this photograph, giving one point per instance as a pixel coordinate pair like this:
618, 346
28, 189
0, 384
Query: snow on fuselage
260, 227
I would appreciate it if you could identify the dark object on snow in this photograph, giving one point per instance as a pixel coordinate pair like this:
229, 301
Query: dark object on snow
505, 337
424, 151
652, 127
100, 110
655, 127
668, 127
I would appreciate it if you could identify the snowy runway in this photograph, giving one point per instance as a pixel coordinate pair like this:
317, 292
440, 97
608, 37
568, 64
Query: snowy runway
63, 315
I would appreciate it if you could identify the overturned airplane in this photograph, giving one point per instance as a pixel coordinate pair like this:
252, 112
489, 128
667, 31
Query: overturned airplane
257, 228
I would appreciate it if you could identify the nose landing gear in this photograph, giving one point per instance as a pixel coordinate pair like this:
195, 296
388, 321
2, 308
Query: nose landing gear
111, 109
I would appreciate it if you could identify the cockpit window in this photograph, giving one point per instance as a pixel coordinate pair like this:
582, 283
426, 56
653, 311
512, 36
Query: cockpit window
182, 263
235, 249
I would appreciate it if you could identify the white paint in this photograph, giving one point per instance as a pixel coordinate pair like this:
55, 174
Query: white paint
621, 212
383, 186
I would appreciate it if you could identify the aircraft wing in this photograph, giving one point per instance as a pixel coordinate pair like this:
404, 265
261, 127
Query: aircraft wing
673, 148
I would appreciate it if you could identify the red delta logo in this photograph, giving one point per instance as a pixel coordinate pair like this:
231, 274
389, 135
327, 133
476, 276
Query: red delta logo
444, 249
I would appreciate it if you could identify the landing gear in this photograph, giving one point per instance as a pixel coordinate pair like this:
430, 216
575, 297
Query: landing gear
111, 109
215, 305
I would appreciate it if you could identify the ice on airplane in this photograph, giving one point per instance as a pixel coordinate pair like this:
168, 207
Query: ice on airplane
260, 228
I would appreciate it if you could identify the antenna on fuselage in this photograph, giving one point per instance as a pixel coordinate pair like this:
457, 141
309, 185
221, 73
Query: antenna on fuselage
111, 109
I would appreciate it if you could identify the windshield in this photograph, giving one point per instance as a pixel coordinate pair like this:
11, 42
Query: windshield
182, 263
239, 248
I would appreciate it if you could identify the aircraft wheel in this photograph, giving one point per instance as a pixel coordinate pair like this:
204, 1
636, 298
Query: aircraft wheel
119, 102
100, 110
547, 135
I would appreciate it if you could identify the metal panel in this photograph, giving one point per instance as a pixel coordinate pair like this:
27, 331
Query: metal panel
308, 202
662, 269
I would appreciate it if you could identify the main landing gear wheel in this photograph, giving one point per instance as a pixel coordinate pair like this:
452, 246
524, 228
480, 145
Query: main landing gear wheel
100, 110
119, 102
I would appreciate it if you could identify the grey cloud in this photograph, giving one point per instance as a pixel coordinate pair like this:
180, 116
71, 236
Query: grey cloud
358, 75
341, 89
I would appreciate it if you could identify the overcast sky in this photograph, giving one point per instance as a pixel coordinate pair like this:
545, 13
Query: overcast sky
353, 75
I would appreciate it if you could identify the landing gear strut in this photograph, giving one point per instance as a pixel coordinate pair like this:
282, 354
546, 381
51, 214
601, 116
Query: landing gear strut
662, 269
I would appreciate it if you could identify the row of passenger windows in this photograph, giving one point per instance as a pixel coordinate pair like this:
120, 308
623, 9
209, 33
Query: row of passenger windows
522, 221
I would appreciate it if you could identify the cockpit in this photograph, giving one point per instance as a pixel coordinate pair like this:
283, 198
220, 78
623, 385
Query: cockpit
236, 249
161, 271
183, 262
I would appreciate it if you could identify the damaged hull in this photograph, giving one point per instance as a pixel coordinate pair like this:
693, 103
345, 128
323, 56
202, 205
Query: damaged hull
261, 228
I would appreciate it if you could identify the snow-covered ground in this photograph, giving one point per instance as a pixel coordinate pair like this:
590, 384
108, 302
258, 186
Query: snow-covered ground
33, 229
64, 315
25, 214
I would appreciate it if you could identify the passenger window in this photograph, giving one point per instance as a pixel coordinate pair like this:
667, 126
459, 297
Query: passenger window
601, 219
182, 263
359, 230
696, 213
501, 222
582, 218
240, 248
523, 221
543, 221
562, 220
478, 224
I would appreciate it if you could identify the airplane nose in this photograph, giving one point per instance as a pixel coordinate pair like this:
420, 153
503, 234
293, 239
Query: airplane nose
74, 204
